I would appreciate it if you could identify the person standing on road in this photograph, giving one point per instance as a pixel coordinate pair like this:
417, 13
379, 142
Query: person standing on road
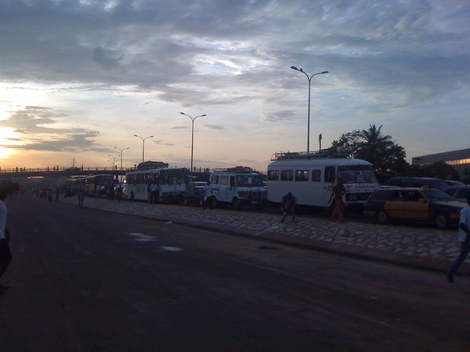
207, 194
288, 206
5, 253
153, 189
338, 191
464, 239
81, 196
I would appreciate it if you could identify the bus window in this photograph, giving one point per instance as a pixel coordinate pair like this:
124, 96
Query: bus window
329, 173
223, 180
214, 179
316, 175
273, 175
287, 175
301, 175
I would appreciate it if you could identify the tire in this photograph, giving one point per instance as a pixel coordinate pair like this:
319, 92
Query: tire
213, 203
383, 217
442, 220
236, 203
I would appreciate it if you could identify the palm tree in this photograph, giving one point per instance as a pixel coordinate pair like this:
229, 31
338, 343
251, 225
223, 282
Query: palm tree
378, 149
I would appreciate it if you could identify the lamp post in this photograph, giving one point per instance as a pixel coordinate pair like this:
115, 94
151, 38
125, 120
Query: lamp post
114, 160
309, 81
143, 144
192, 135
121, 150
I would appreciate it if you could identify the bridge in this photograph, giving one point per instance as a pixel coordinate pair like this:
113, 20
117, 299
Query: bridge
54, 177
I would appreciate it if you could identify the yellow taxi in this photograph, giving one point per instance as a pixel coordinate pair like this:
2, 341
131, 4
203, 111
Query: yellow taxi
414, 204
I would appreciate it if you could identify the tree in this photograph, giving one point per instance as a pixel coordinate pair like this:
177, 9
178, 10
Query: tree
371, 145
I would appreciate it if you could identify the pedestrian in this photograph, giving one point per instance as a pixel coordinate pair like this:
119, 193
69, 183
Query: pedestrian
57, 194
153, 189
207, 195
338, 191
119, 192
5, 253
81, 196
464, 239
288, 206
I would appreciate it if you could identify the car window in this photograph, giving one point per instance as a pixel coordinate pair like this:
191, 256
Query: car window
435, 195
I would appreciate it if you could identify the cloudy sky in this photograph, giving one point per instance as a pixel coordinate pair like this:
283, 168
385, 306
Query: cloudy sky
79, 78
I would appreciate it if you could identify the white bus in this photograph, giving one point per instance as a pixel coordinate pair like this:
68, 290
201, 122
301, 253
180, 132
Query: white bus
311, 179
171, 183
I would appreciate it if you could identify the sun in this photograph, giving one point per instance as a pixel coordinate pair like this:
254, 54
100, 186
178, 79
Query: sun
8, 138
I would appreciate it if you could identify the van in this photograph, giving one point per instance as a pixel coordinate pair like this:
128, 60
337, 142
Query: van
418, 182
237, 186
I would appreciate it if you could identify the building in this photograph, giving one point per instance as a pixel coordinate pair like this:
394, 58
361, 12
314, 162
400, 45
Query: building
458, 159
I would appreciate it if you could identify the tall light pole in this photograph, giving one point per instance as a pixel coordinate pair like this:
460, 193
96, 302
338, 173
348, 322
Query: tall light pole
121, 150
192, 135
309, 81
114, 160
143, 144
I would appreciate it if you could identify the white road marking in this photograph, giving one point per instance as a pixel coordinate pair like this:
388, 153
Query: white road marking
172, 249
143, 238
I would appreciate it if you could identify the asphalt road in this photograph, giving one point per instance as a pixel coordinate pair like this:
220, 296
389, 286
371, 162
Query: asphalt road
85, 280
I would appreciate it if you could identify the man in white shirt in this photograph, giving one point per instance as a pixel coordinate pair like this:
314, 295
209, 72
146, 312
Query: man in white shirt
5, 254
464, 239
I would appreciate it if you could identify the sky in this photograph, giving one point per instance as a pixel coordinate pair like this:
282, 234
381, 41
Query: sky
80, 78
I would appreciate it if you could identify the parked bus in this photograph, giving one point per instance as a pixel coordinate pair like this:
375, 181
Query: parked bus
98, 185
171, 183
73, 184
311, 179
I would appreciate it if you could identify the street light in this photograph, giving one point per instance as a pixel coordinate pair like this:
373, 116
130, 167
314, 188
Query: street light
143, 144
309, 81
121, 150
192, 135
114, 160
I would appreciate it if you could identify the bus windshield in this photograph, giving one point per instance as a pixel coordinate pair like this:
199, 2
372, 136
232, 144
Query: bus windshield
248, 180
357, 174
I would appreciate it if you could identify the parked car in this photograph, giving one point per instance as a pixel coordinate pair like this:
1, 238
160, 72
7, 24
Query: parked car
418, 182
454, 183
414, 204
459, 192
194, 193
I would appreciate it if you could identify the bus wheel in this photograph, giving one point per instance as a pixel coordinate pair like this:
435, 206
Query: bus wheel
236, 203
213, 203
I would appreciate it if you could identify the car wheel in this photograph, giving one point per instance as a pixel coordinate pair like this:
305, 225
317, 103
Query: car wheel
442, 220
382, 217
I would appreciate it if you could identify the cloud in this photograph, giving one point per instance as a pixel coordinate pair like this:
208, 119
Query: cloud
39, 131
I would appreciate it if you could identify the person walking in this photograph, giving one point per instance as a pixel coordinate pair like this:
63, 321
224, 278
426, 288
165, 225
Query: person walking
338, 191
464, 239
5, 253
288, 206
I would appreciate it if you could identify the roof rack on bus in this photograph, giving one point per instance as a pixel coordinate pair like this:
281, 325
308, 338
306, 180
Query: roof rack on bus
238, 169
325, 153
